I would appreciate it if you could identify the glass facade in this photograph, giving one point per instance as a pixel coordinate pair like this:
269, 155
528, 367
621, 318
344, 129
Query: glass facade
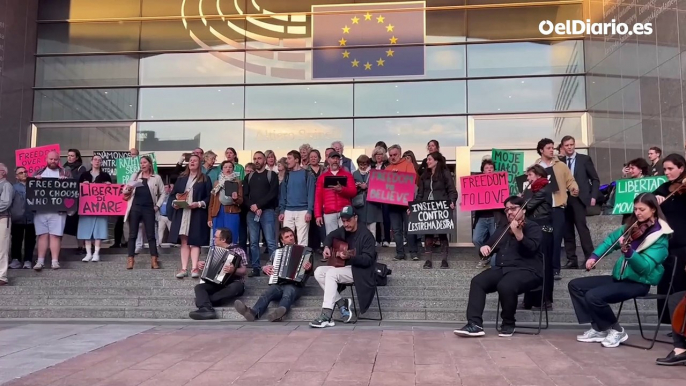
176, 74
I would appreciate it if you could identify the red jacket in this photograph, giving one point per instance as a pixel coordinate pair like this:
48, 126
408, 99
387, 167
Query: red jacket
327, 201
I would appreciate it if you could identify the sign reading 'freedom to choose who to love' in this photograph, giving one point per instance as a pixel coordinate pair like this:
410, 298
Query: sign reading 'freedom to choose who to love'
395, 188
52, 195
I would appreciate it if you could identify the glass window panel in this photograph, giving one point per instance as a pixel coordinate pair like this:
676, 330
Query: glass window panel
87, 9
72, 71
193, 34
86, 105
410, 98
515, 132
445, 26
58, 38
191, 103
85, 137
517, 23
439, 62
412, 133
185, 136
526, 58
302, 101
283, 136
190, 7
526, 95
194, 68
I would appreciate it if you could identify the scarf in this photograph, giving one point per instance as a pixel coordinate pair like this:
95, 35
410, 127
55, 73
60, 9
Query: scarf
73, 165
364, 172
539, 184
220, 182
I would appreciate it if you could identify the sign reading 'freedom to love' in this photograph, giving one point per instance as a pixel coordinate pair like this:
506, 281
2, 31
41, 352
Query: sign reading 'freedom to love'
627, 190
484, 191
395, 188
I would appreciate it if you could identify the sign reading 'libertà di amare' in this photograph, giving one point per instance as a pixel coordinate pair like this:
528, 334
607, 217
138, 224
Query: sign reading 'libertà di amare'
430, 217
52, 195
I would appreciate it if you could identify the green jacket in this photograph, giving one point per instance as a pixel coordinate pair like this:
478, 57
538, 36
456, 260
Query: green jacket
645, 264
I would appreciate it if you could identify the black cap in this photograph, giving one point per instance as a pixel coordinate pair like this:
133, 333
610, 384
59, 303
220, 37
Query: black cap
334, 154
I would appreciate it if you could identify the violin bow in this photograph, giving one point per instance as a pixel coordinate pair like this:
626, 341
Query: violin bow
508, 226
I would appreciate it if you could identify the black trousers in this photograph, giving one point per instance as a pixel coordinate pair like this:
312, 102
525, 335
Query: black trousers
509, 284
533, 298
314, 235
147, 215
592, 296
119, 230
674, 299
575, 216
23, 235
558, 216
210, 295
679, 279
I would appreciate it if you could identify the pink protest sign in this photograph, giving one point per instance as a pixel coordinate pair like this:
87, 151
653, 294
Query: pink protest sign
34, 158
102, 200
484, 191
395, 188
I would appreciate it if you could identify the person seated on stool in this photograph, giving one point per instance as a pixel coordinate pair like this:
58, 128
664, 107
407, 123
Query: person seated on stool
360, 269
285, 293
208, 295
678, 355
518, 269
639, 266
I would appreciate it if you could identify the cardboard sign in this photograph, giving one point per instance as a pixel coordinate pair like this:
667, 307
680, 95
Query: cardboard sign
102, 200
484, 191
511, 162
126, 167
627, 190
34, 158
523, 183
52, 195
395, 188
109, 160
430, 218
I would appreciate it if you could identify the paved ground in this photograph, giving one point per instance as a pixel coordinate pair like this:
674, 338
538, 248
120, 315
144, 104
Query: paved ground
294, 354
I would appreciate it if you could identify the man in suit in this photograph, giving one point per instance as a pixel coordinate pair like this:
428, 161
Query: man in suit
586, 176
654, 156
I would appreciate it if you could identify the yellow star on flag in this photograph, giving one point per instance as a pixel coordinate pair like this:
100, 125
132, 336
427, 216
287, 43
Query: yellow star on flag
346, 54
368, 16
342, 42
393, 40
380, 19
356, 20
355, 63
367, 66
389, 28
389, 52
346, 29
380, 62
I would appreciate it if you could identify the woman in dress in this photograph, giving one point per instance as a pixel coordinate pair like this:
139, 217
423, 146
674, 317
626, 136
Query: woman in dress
225, 209
74, 168
189, 220
93, 227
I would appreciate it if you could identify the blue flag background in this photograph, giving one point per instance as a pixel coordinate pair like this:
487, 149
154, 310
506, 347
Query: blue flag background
357, 25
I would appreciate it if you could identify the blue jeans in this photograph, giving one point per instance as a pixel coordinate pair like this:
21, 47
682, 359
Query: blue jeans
399, 221
267, 224
483, 230
285, 294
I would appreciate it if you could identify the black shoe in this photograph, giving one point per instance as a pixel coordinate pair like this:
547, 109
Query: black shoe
506, 331
255, 272
444, 264
556, 275
470, 330
203, 314
415, 257
571, 264
277, 315
115, 246
523, 306
548, 306
399, 258
428, 264
672, 359
244, 310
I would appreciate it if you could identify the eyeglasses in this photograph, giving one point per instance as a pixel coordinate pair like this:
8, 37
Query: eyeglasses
20, 173
511, 209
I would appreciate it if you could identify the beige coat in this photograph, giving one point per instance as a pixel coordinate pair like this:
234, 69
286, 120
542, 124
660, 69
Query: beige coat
565, 181
156, 186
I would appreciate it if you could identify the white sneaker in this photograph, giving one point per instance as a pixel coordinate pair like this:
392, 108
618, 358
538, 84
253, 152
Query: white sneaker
88, 257
138, 250
27, 265
614, 338
96, 257
55, 264
592, 336
15, 264
38, 267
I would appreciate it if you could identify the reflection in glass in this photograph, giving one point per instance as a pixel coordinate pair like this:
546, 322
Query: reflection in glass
85, 137
526, 95
191, 8
87, 9
192, 35
410, 98
517, 23
85, 105
289, 135
445, 26
193, 68
191, 103
518, 132
58, 38
183, 136
308, 101
72, 71
526, 58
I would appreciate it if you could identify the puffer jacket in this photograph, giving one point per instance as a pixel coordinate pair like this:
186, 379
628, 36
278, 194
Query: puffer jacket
443, 188
327, 201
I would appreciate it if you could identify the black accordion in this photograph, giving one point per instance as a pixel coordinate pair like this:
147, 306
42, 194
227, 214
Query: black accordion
217, 259
289, 264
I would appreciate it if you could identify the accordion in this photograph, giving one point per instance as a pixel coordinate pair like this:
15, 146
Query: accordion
217, 259
289, 264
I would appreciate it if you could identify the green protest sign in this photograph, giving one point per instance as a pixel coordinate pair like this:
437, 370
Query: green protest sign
511, 162
627, 190
126, 167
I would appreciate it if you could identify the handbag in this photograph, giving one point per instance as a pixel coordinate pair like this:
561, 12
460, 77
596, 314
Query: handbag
382, 272
182, 196
359, 200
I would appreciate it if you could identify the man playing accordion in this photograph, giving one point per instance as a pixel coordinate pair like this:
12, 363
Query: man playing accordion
286, 293
208, 294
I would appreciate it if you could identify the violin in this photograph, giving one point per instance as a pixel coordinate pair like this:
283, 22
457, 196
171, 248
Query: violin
636, 232
678, 187
679, 318
520, 225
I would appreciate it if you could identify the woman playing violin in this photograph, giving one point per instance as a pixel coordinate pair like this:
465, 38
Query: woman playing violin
643, 242
674, 209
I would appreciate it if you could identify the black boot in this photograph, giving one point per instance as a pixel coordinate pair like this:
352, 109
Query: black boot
203, 314
444, 252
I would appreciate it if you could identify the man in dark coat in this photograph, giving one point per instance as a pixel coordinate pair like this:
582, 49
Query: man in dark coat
360, 268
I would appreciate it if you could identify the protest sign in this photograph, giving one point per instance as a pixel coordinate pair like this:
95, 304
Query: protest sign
395, 188
523, 184
627, 190
52, 195
102, 200
484, 191
109, 160
34, 158
430, 218
126, 167
511, 162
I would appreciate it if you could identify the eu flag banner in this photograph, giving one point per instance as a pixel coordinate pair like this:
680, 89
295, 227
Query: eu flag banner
347, 29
